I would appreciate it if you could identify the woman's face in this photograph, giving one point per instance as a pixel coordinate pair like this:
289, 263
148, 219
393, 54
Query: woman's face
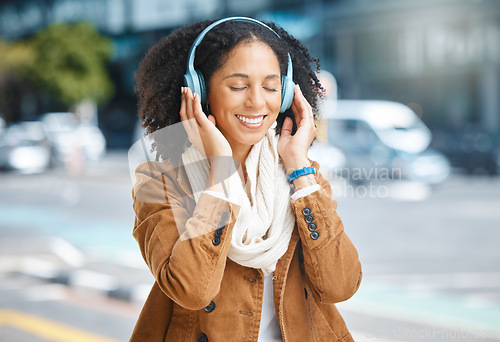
246, 88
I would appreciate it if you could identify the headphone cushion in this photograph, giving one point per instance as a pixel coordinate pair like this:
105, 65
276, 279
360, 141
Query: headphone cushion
287, 92
203, 88
192, 81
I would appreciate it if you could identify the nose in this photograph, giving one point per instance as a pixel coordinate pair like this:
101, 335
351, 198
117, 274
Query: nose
255, 98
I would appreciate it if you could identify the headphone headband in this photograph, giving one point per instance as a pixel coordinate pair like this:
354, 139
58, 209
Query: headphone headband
194, 79
211, 26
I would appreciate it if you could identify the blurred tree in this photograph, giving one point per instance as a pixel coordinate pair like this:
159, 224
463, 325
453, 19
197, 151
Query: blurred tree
70, 63
15, 59
66, 61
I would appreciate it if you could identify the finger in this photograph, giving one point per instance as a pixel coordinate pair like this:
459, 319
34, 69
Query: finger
189, 125
301, 108
198, 111
297, 105
298, 113
286, 129
189, 103
182, 111
304, 105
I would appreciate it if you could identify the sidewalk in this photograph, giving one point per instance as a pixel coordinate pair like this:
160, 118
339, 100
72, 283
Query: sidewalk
54, 260
44, 236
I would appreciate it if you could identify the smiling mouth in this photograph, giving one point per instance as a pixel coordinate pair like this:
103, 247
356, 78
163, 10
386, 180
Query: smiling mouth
255, 120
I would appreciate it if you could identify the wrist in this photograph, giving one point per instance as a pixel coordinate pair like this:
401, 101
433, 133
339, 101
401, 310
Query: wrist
304, 182
302, 177
296, 165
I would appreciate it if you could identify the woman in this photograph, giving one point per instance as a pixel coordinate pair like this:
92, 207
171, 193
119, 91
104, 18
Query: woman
254, 255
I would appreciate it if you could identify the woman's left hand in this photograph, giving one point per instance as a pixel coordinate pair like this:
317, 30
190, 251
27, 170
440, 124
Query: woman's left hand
293, 148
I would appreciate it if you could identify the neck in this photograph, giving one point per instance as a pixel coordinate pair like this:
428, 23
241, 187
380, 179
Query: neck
240, 153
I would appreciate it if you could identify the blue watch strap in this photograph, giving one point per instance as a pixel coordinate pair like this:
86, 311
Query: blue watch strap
301, 172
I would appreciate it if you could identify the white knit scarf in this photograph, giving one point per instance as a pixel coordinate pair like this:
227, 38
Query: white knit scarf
265, 223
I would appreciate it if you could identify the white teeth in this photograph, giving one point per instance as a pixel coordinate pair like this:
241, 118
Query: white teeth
251, 121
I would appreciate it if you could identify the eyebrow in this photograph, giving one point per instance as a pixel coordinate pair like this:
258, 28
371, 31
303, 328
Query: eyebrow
236, 74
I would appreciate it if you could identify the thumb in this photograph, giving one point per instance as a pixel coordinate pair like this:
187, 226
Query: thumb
286, 129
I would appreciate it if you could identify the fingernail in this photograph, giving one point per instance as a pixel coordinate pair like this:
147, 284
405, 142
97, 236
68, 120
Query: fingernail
194, 96
182, 90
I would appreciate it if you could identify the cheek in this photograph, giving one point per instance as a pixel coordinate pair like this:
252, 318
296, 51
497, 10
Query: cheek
222, 102
276, 104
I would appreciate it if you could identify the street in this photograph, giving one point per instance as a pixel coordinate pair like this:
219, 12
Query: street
431, 267
71, 271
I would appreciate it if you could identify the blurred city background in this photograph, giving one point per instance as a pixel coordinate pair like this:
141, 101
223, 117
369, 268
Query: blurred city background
409, 139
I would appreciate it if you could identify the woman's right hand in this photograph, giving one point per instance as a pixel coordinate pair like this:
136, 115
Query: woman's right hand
201, 130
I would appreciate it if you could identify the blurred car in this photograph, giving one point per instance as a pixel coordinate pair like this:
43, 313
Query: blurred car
470, 150
68, 137
24, 147
497, 158
383, 139
331, 159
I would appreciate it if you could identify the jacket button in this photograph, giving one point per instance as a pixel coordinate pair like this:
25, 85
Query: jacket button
218, 232
309, 218
222, 224
216, 240
312, 227
314, 235
202, 338
210, 307
225, 216
306, 211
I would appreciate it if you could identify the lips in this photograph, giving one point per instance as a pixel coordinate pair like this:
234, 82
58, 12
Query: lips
253, 120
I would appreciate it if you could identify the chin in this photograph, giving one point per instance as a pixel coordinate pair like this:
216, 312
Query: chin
249, 141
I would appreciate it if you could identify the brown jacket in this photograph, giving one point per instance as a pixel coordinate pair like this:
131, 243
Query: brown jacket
201, 295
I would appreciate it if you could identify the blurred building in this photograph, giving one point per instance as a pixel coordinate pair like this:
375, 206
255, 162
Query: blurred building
134, 26
440, 56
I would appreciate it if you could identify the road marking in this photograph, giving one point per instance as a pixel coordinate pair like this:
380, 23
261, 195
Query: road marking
42, 327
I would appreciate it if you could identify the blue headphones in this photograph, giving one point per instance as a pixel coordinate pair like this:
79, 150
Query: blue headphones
194, 79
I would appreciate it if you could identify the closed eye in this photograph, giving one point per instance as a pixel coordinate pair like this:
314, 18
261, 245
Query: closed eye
243, 88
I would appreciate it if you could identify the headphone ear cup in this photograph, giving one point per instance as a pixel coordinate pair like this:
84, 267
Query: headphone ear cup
203, 89
287, 92
192, 80
188, 80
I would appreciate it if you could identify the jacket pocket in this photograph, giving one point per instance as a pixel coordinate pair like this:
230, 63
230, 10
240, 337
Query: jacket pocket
321, 329
180, 325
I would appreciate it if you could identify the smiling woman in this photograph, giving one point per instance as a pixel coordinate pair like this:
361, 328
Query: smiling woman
245, 96
259, 254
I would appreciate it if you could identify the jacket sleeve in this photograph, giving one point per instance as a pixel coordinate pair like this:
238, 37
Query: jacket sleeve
331, 263
180, 244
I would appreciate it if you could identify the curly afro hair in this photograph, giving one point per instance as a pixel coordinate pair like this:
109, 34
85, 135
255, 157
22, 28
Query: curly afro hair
161, 73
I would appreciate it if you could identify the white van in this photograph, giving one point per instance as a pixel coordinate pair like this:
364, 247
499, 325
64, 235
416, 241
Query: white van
383, 138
